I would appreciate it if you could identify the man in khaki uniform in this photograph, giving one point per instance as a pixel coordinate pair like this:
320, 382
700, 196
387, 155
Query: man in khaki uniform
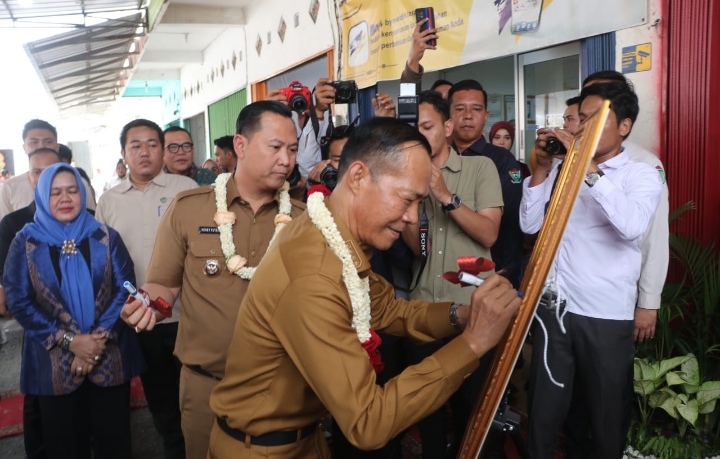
189, 254
295, 354
134, 208
464, 209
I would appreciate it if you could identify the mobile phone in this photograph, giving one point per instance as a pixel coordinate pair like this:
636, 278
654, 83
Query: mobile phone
429, 13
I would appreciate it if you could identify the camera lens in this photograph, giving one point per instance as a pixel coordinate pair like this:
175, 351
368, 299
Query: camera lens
329, 177
298, 103
555, 147
294, 176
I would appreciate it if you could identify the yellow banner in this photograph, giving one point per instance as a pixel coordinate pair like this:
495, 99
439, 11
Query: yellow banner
377, 34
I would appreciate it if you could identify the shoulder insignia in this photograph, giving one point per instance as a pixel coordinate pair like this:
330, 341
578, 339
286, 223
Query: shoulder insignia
515, 175
661, 171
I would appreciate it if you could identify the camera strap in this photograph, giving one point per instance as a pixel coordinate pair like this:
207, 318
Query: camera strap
557, 177
424, 231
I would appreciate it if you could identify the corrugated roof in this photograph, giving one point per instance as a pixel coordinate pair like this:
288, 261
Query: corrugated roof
89, 65
17, 9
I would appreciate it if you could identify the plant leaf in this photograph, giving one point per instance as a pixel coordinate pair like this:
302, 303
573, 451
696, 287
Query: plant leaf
708, 391
674, 378
658, 398
669, 405
688, 410
707, 408
691, 371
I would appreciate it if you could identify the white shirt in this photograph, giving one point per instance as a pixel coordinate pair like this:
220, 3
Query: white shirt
135, 214
598, 261
309, 153
17, 193
654, 244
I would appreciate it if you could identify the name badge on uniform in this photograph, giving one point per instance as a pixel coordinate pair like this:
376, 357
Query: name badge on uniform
208, 230
212, 267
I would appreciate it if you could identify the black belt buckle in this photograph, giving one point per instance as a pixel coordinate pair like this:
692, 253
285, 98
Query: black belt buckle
278, 438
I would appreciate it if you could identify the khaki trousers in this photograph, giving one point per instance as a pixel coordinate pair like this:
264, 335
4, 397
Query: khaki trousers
223, 446
197, 418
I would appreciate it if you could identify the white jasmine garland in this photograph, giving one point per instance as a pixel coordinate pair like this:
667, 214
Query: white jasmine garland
358, 289
226, 237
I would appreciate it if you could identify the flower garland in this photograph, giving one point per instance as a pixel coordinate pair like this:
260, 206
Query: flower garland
358, 289
225, 220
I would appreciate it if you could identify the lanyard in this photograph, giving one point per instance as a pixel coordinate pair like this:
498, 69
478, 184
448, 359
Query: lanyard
424, 231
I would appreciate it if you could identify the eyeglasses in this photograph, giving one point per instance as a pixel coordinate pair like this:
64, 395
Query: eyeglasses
187, 147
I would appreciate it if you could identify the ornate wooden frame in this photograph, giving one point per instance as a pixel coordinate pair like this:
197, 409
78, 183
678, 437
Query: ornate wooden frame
571, 178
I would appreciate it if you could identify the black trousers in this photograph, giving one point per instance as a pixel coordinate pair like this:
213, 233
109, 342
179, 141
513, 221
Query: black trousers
433, 428
161, 383
92, 417
32, 428
594, 361
391, 351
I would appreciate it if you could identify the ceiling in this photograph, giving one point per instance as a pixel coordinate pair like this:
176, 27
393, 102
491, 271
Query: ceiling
108, 45
50, 12
184, 29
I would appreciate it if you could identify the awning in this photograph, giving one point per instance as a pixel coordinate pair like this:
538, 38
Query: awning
89, 66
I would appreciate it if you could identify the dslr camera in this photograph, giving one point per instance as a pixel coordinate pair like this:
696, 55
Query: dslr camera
345, 91
555, 147
298, 96
329, 177
294, 177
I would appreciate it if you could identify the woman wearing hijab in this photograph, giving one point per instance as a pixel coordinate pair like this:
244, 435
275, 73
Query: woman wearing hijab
64, 279
502, 134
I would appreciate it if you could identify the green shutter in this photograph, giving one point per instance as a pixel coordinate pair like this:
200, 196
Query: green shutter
223, 114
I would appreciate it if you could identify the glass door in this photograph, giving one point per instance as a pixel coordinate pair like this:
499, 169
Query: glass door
546, 79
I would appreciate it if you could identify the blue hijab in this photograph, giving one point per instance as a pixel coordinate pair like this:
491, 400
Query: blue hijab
76, 284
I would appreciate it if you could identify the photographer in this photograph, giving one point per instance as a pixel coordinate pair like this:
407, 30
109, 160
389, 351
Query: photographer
595, 281
309, 153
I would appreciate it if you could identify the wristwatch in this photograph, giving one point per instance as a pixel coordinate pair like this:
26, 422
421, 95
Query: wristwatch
66, 339
454, 203
453, 315
592, 178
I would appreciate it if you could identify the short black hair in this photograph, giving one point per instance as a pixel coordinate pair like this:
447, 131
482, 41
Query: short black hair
226, 143
344, 131
623, 100
43, 150
38, 124
467, 85
440, 82
248, 121
608, 76
177, 129
120, 161
140, 122
572, 101
435, 99
65, 153
378, 143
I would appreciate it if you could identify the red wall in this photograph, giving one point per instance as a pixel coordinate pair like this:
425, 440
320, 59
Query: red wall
692, 122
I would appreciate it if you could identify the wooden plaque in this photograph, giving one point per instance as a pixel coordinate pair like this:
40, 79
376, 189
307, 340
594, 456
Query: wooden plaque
571, 178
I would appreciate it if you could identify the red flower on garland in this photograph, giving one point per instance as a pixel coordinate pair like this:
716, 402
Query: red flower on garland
371, 347
319, 188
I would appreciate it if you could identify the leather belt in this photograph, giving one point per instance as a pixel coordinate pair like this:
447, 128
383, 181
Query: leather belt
279, 438
198, 369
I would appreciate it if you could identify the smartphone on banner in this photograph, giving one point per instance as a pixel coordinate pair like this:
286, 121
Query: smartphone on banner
526, 15
429, 13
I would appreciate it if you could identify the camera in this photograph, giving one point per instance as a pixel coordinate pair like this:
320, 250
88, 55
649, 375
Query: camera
298, 96
407, 106
329, 177
555, 147
345, 91
294, 176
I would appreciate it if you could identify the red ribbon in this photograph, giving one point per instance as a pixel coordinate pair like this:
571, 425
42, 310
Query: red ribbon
160, 305
319, 188
371, 346
470, 265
